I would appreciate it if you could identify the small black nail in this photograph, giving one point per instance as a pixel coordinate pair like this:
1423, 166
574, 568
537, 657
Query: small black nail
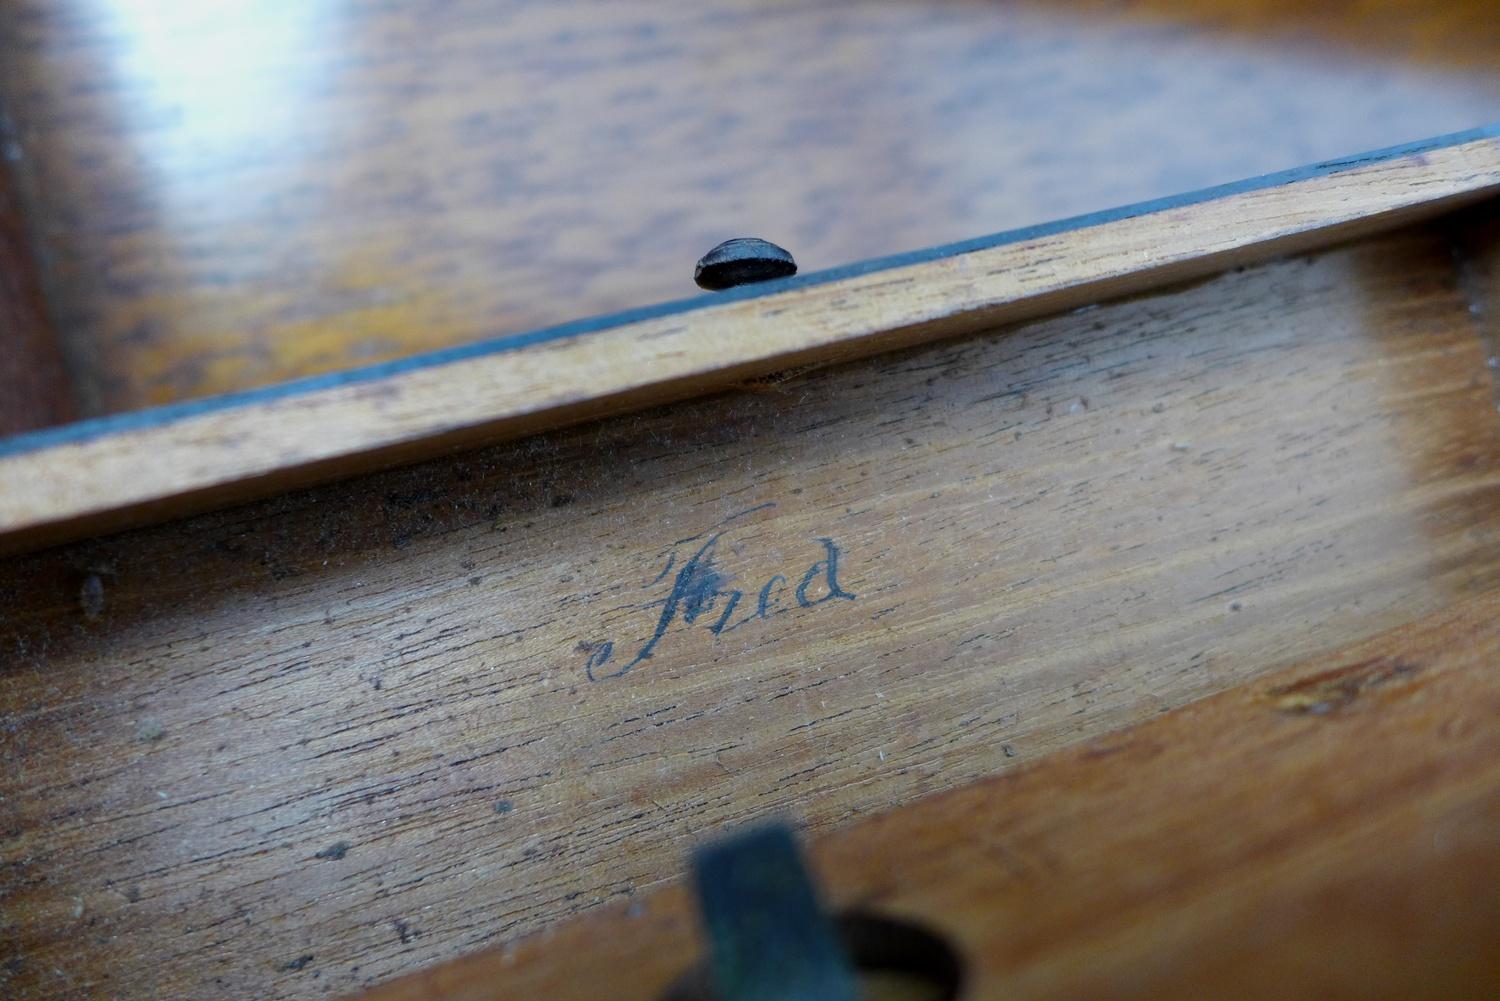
743, 261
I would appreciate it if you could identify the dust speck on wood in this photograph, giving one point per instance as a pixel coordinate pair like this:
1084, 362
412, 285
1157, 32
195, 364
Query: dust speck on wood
91, 596
334, 852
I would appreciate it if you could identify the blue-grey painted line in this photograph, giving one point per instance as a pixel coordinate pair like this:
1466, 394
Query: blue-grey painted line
85, 430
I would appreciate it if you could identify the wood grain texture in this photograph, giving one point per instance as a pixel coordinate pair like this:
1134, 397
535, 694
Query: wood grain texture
126, 473
1331, 831
302, 746
34, 390
237, 195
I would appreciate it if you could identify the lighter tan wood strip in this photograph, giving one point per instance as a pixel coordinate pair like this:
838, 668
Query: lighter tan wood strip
232, 454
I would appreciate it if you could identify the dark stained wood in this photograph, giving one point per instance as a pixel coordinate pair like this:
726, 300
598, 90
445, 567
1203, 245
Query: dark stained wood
296, 748
34, 390
1327, 832
274, 190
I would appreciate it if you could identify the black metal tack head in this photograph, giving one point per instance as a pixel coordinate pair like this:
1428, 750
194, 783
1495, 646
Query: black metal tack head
743, 261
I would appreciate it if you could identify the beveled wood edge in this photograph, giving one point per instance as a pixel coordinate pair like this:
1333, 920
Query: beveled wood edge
112, 473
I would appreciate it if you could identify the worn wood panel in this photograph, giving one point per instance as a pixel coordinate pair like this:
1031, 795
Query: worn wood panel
34, 390
233, 195
103, 475
1327, 832
305, 745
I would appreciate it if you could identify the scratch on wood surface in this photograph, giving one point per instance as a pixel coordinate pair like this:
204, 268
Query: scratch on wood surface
1339, 688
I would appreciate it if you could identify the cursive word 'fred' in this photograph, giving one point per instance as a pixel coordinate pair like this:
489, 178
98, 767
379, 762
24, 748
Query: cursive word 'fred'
701, 592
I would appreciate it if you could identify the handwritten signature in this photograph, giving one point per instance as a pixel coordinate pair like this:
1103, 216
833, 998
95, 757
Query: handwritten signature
701, 591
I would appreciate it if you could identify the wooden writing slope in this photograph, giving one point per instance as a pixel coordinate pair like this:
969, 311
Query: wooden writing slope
1115, 597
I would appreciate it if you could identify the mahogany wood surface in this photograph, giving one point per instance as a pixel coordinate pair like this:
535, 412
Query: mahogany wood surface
302, 746
34, 388
1329, 831
233, 194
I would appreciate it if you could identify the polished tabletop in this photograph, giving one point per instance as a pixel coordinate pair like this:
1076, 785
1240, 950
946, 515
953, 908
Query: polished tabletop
227, 195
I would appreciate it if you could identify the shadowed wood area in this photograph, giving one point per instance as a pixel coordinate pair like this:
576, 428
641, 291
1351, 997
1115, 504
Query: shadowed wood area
1357, 858
299, 747
1476, 237
229, 195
